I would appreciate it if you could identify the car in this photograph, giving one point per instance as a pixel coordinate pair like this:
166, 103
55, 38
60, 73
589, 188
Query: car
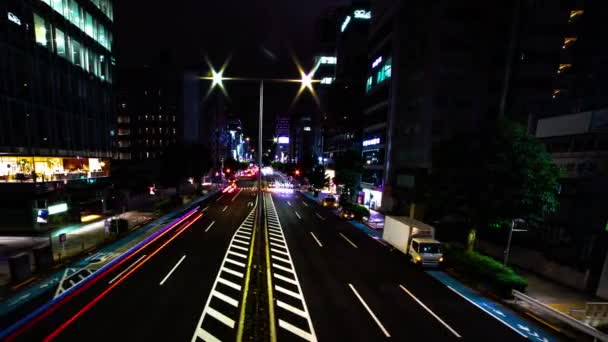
330, 202
347, 215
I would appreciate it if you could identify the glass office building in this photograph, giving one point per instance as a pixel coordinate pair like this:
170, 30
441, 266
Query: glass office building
56, 77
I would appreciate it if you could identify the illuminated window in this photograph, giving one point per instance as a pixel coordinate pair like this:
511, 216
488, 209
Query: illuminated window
60, 43
568, 42
388, 68
575, 15
368, 84
76, 53
40, 30
385, 72
58, 6
327, 80
563, 68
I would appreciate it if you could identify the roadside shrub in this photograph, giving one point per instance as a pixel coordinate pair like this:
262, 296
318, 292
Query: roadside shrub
485, 270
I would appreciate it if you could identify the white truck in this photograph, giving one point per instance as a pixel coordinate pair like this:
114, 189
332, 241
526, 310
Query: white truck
414, 238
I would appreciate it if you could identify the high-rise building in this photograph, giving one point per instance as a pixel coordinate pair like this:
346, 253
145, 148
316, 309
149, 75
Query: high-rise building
305, 141
149, 112
434, 70
556, 61
56, 74
282, 140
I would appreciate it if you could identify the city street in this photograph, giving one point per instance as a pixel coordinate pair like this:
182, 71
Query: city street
356, 290
161, 291
330, 282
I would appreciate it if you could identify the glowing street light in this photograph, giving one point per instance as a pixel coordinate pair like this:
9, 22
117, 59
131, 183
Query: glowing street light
216, 78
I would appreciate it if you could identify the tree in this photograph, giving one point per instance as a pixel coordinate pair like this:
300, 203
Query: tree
317, 178
493, 178
349, 168
181, 161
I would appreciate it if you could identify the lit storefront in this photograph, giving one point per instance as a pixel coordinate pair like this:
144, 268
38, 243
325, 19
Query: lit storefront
47, 169
372, 198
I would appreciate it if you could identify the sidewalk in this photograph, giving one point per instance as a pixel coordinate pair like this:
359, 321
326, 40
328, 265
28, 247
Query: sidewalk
94, 262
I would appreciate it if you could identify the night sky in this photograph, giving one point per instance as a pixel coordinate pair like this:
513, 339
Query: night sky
260, 36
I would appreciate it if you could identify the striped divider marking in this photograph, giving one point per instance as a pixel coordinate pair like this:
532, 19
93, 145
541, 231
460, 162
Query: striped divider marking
292, 314
221, 312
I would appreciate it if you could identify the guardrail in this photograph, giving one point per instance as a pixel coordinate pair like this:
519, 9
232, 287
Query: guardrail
562, 317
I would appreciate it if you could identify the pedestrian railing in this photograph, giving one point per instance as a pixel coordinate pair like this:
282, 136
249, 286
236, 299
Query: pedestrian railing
562, 317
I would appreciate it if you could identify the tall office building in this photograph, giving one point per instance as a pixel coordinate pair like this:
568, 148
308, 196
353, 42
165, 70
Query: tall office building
56, 105
282, 141
434, 70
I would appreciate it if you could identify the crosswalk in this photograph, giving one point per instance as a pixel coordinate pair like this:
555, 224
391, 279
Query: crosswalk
219, 319
291, 311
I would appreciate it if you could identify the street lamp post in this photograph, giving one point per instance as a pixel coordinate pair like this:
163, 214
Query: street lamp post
261, 118
511, 230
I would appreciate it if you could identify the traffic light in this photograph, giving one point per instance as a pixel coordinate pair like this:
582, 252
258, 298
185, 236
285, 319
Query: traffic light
228, 170
297, 172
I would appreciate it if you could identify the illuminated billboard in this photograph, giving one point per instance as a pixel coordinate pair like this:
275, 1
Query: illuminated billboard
283, 140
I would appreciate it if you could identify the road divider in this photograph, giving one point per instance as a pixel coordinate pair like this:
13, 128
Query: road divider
218, 321
172, 270
284, 285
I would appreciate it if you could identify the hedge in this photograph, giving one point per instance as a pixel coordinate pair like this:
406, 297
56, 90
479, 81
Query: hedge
359, 210
485, 270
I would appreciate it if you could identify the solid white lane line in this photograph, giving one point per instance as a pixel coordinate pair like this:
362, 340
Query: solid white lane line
206, 336
298, 215
289, 204
220, 317
287, 261
226, 207
282, 268
488, 312
211, 225
371, 313
315, 237
225, 298
237, 195
288, 292
306, 204
126, 269
283, 278
295, 330
291, 309
219, 198
238, 254
319, 216
234, 262
172, 270
429, 311
233, 272
229, 283
345, 238
241, 248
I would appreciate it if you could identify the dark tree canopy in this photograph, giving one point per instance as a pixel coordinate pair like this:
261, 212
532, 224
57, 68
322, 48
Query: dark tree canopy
495, 176
181, 161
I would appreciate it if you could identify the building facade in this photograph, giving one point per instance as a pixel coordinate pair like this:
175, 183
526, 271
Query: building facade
282, 149
56, 101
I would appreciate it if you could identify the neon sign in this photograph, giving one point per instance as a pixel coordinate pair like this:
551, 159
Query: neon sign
369, 142
14, 18
345, 23
363, 14
328, 60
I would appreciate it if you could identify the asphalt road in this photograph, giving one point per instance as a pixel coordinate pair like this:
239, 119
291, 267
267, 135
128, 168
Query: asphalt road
330, 282
138, 307
358, 290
